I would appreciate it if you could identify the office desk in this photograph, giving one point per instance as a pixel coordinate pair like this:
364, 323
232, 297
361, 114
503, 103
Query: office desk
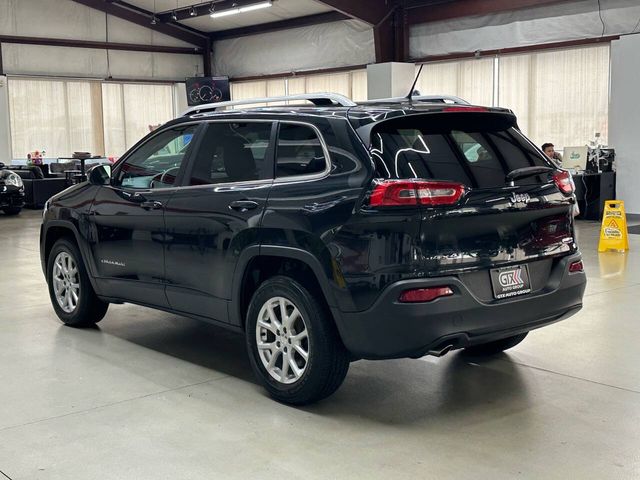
592, 190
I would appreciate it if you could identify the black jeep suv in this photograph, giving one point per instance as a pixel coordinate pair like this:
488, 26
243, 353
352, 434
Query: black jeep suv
326, 233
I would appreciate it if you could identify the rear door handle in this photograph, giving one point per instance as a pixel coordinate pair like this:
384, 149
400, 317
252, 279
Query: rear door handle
151, 205
243, 205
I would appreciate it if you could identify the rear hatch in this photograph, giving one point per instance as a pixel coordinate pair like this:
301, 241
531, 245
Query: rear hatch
455, 166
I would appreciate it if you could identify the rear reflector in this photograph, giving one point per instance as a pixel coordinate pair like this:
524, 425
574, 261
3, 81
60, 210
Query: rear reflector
576, 267
563, 181
389, 193
421, 295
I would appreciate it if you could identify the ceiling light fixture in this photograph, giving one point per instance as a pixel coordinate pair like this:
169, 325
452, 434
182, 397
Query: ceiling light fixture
193, 12
174, 16
235, 9
154, 20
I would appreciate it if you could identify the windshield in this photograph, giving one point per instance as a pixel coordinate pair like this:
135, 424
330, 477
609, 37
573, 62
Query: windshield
475, 150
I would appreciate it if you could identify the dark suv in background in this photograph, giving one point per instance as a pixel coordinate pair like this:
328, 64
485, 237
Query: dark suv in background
326, 233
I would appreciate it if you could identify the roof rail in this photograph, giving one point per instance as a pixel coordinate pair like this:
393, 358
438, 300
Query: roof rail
318, 99
421, 98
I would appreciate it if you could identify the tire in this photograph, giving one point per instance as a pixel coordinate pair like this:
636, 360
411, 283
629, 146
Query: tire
327, 360
493, 348
88, 309
12, 210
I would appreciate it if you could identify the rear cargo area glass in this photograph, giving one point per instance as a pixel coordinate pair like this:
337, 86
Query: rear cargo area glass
475, 149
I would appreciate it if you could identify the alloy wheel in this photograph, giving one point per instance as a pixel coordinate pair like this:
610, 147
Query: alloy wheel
66, 282
282, 340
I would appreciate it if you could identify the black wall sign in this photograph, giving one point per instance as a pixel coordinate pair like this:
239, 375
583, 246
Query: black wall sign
201, 90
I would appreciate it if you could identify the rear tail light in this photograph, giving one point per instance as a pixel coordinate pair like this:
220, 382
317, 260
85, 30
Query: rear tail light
563, 181
389, 193
576, 267
422, 295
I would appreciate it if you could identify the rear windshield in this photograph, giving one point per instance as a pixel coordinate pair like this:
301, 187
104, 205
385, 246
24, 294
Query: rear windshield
477, 150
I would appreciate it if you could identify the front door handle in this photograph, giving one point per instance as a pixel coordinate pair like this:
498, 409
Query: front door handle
243, 205
151, 205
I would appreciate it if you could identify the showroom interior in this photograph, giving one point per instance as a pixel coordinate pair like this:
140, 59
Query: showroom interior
149, 393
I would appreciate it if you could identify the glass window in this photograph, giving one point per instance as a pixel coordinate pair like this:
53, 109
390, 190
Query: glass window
233, 152
475, 150
299, 151
157, 162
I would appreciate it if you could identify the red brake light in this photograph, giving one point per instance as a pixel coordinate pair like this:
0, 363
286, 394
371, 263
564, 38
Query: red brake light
389, 193
576, 267
465, 109
563, 181
422, 295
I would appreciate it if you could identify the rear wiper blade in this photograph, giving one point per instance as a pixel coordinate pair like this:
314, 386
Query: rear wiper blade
527, 172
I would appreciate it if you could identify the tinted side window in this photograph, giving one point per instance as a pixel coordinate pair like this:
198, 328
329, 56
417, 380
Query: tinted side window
157, 162
299, 151
232, 152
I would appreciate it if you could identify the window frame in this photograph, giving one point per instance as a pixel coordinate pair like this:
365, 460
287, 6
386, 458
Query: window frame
306, 177
142, 142
269, 157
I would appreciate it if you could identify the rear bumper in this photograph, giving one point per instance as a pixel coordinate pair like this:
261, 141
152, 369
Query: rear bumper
391, 329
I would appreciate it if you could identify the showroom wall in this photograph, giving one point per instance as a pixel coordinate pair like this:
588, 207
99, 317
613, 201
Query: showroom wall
336, 44
624, 118
69, 20
533, 26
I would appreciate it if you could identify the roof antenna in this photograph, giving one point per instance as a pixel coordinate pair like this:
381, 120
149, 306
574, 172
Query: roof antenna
408, 97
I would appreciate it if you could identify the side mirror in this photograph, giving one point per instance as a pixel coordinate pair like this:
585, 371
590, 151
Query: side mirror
100, 175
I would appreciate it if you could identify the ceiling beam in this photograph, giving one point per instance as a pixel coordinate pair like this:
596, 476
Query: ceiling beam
130, 47
370, 11
287, 24
143, 18
421, 13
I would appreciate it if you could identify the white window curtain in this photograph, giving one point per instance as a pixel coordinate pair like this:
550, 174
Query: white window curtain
351, 84
56, 116
469, 79
131, 111
559, 96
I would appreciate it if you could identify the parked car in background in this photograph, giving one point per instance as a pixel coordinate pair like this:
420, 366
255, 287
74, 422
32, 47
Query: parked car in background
11, 191
326, 233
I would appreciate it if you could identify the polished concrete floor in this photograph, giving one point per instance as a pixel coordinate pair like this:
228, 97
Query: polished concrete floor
150, 395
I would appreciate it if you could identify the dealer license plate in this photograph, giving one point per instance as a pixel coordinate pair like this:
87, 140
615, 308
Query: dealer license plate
510, 282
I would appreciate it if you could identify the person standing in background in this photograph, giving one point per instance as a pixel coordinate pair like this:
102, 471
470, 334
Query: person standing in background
549, 151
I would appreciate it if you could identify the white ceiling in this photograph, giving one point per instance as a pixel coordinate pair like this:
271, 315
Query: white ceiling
281, 10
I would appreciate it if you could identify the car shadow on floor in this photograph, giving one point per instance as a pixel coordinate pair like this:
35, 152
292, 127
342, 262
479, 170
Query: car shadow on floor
196, 342
405, 392
387, 392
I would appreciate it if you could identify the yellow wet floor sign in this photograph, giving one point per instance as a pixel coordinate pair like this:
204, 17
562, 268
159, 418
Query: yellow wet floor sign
614, 234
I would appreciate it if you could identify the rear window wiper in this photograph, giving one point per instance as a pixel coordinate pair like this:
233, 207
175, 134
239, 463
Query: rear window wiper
526, 172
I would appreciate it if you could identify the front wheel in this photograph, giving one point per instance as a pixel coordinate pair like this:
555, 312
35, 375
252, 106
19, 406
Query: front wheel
72, 295
493, 348
294, 347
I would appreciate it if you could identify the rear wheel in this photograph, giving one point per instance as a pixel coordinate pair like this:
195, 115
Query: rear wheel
493, 348
293, 345
72, 295
12, 210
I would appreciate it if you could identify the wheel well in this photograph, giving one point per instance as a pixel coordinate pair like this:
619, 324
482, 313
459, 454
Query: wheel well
262, 268
53, 235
